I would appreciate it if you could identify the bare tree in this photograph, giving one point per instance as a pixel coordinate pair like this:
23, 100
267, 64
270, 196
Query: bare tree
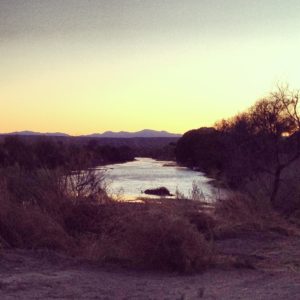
286, 124
265, 137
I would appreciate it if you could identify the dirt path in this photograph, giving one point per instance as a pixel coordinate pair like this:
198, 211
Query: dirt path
46, 275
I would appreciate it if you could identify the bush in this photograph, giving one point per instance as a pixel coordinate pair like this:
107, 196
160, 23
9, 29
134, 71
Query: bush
150, 239
240, 215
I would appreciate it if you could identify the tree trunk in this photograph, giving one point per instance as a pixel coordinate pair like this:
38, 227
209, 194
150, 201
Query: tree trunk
276, 184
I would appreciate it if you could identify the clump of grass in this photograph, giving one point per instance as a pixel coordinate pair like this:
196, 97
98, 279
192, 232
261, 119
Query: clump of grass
27, 225
295, 218
198, 213
240, 215
143, 237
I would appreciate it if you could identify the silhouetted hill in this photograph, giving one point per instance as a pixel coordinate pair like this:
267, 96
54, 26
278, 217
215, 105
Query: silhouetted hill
33, 133
146, 133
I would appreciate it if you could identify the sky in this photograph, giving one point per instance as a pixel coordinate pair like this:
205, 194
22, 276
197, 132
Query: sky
86, 66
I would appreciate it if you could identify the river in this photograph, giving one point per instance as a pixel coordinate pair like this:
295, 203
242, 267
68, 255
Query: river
128, 180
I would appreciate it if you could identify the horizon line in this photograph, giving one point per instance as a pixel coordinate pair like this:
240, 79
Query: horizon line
84, 134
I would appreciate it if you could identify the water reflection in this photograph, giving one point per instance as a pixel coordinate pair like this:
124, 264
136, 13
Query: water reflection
130, 179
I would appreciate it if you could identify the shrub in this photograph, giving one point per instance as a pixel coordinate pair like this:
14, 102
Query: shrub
144, 237
240, 215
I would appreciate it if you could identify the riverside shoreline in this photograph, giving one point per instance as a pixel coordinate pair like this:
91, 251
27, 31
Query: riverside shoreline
273, 272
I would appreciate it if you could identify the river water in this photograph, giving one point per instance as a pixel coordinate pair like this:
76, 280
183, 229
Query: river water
129, 180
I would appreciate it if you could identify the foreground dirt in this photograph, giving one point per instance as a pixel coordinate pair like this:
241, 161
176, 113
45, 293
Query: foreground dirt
266, 266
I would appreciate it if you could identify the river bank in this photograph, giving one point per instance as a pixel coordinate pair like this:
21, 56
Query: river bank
273, 272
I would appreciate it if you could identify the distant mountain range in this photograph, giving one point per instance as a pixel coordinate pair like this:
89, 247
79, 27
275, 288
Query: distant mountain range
146, 133
33, 133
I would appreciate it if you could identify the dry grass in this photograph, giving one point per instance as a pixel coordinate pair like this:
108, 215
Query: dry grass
143, 235
240, 215
25, 225
164, 234
295, 218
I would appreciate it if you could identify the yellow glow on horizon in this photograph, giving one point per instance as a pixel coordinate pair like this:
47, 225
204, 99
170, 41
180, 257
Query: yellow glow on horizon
166, 87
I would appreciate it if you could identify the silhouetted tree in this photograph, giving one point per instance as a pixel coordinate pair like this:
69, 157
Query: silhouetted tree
49, 154
260, 135
260, 143
201, 148
17, 152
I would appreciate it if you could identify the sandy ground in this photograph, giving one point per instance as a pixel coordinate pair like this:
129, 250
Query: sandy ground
273, 273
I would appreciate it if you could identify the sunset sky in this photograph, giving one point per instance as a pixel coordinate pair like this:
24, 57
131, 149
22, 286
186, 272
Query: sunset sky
85, 66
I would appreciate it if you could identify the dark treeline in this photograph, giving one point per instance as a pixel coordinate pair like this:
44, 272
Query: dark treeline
165, 151
50, 153
256, 151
